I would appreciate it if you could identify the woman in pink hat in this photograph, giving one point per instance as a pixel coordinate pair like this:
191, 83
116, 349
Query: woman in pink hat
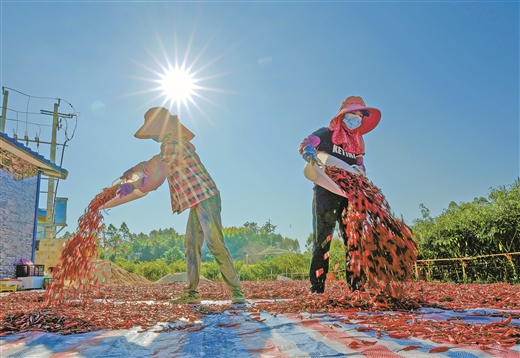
343, 139
191, 187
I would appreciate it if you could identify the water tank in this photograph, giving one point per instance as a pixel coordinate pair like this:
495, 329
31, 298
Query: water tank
60, 216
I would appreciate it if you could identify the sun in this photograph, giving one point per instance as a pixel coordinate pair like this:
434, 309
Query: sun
177, 85
182, 80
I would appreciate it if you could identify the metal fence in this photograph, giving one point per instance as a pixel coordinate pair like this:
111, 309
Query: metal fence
478, 269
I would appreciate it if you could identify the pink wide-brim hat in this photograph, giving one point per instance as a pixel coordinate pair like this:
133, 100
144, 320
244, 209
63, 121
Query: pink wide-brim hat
354, 103
159, 120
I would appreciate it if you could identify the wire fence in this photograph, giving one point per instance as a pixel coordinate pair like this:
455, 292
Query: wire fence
490, 268
479, 269
273, 275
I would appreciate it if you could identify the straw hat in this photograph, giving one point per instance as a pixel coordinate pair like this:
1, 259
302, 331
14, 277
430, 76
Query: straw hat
354, 103
159, 120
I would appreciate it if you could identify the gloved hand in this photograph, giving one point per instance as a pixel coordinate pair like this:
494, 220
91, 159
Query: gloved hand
128, 174
126, 189
309, 155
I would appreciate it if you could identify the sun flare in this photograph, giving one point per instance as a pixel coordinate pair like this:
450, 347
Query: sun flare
183, 81
177, 84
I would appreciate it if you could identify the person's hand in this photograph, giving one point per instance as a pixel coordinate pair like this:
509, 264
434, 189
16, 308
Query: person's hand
128, 174
126, 189
309, 155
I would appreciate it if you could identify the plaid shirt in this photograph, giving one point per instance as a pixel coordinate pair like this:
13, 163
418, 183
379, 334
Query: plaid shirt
190, 182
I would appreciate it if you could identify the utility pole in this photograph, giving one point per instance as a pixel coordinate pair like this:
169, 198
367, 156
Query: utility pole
49, 214
4, 111
50, 227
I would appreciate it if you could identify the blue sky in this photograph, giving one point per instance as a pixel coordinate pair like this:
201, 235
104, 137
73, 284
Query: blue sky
445, 76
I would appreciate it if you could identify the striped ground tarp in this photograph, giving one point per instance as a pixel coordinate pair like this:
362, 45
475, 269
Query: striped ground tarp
241, 334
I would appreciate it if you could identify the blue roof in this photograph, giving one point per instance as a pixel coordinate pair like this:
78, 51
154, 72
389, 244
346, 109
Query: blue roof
48, 168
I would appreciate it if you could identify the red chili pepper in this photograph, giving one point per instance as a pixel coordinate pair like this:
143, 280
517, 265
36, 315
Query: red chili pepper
399, 335
227, 324
368, 343
364, 328
354, 344
439, 349
410, 348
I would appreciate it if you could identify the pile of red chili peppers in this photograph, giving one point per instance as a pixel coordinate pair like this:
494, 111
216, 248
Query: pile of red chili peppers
77, 263
380, 245
121, 307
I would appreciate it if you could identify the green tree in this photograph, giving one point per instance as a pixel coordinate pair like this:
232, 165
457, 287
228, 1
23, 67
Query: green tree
141, 248
466, 230
154, 245
309, 244
240, 240
268, 228
252, 227
126, 235
112, 240
211, 271
66, 235
295, 266
290, 245
173, 254
152, 270
235, 239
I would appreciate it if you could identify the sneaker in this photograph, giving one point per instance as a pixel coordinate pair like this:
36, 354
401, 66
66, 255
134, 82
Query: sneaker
186, 297
237, 297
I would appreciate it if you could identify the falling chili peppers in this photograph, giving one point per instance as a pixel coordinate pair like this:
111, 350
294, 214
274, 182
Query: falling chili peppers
380, 246
77, 266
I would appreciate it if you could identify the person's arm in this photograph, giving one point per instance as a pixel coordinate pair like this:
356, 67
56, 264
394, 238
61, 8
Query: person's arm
307, 149
311, 141
157, 169
156, 176
145, 167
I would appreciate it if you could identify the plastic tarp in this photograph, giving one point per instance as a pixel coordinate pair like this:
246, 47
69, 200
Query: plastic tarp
241, 334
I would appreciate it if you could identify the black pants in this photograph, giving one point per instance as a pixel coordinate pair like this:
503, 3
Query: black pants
327, 209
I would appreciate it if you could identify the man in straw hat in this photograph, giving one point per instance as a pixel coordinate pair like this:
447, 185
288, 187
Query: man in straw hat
191, 187
343, 140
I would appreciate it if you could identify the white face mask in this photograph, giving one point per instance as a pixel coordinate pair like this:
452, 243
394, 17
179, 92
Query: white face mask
352, 121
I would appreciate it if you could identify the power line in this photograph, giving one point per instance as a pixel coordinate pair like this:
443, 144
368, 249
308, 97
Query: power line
28, 95
75, 113
60, 121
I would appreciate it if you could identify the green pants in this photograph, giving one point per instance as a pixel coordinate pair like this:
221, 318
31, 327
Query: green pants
204, 222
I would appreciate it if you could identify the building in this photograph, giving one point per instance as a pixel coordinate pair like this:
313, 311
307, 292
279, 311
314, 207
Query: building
20, 176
